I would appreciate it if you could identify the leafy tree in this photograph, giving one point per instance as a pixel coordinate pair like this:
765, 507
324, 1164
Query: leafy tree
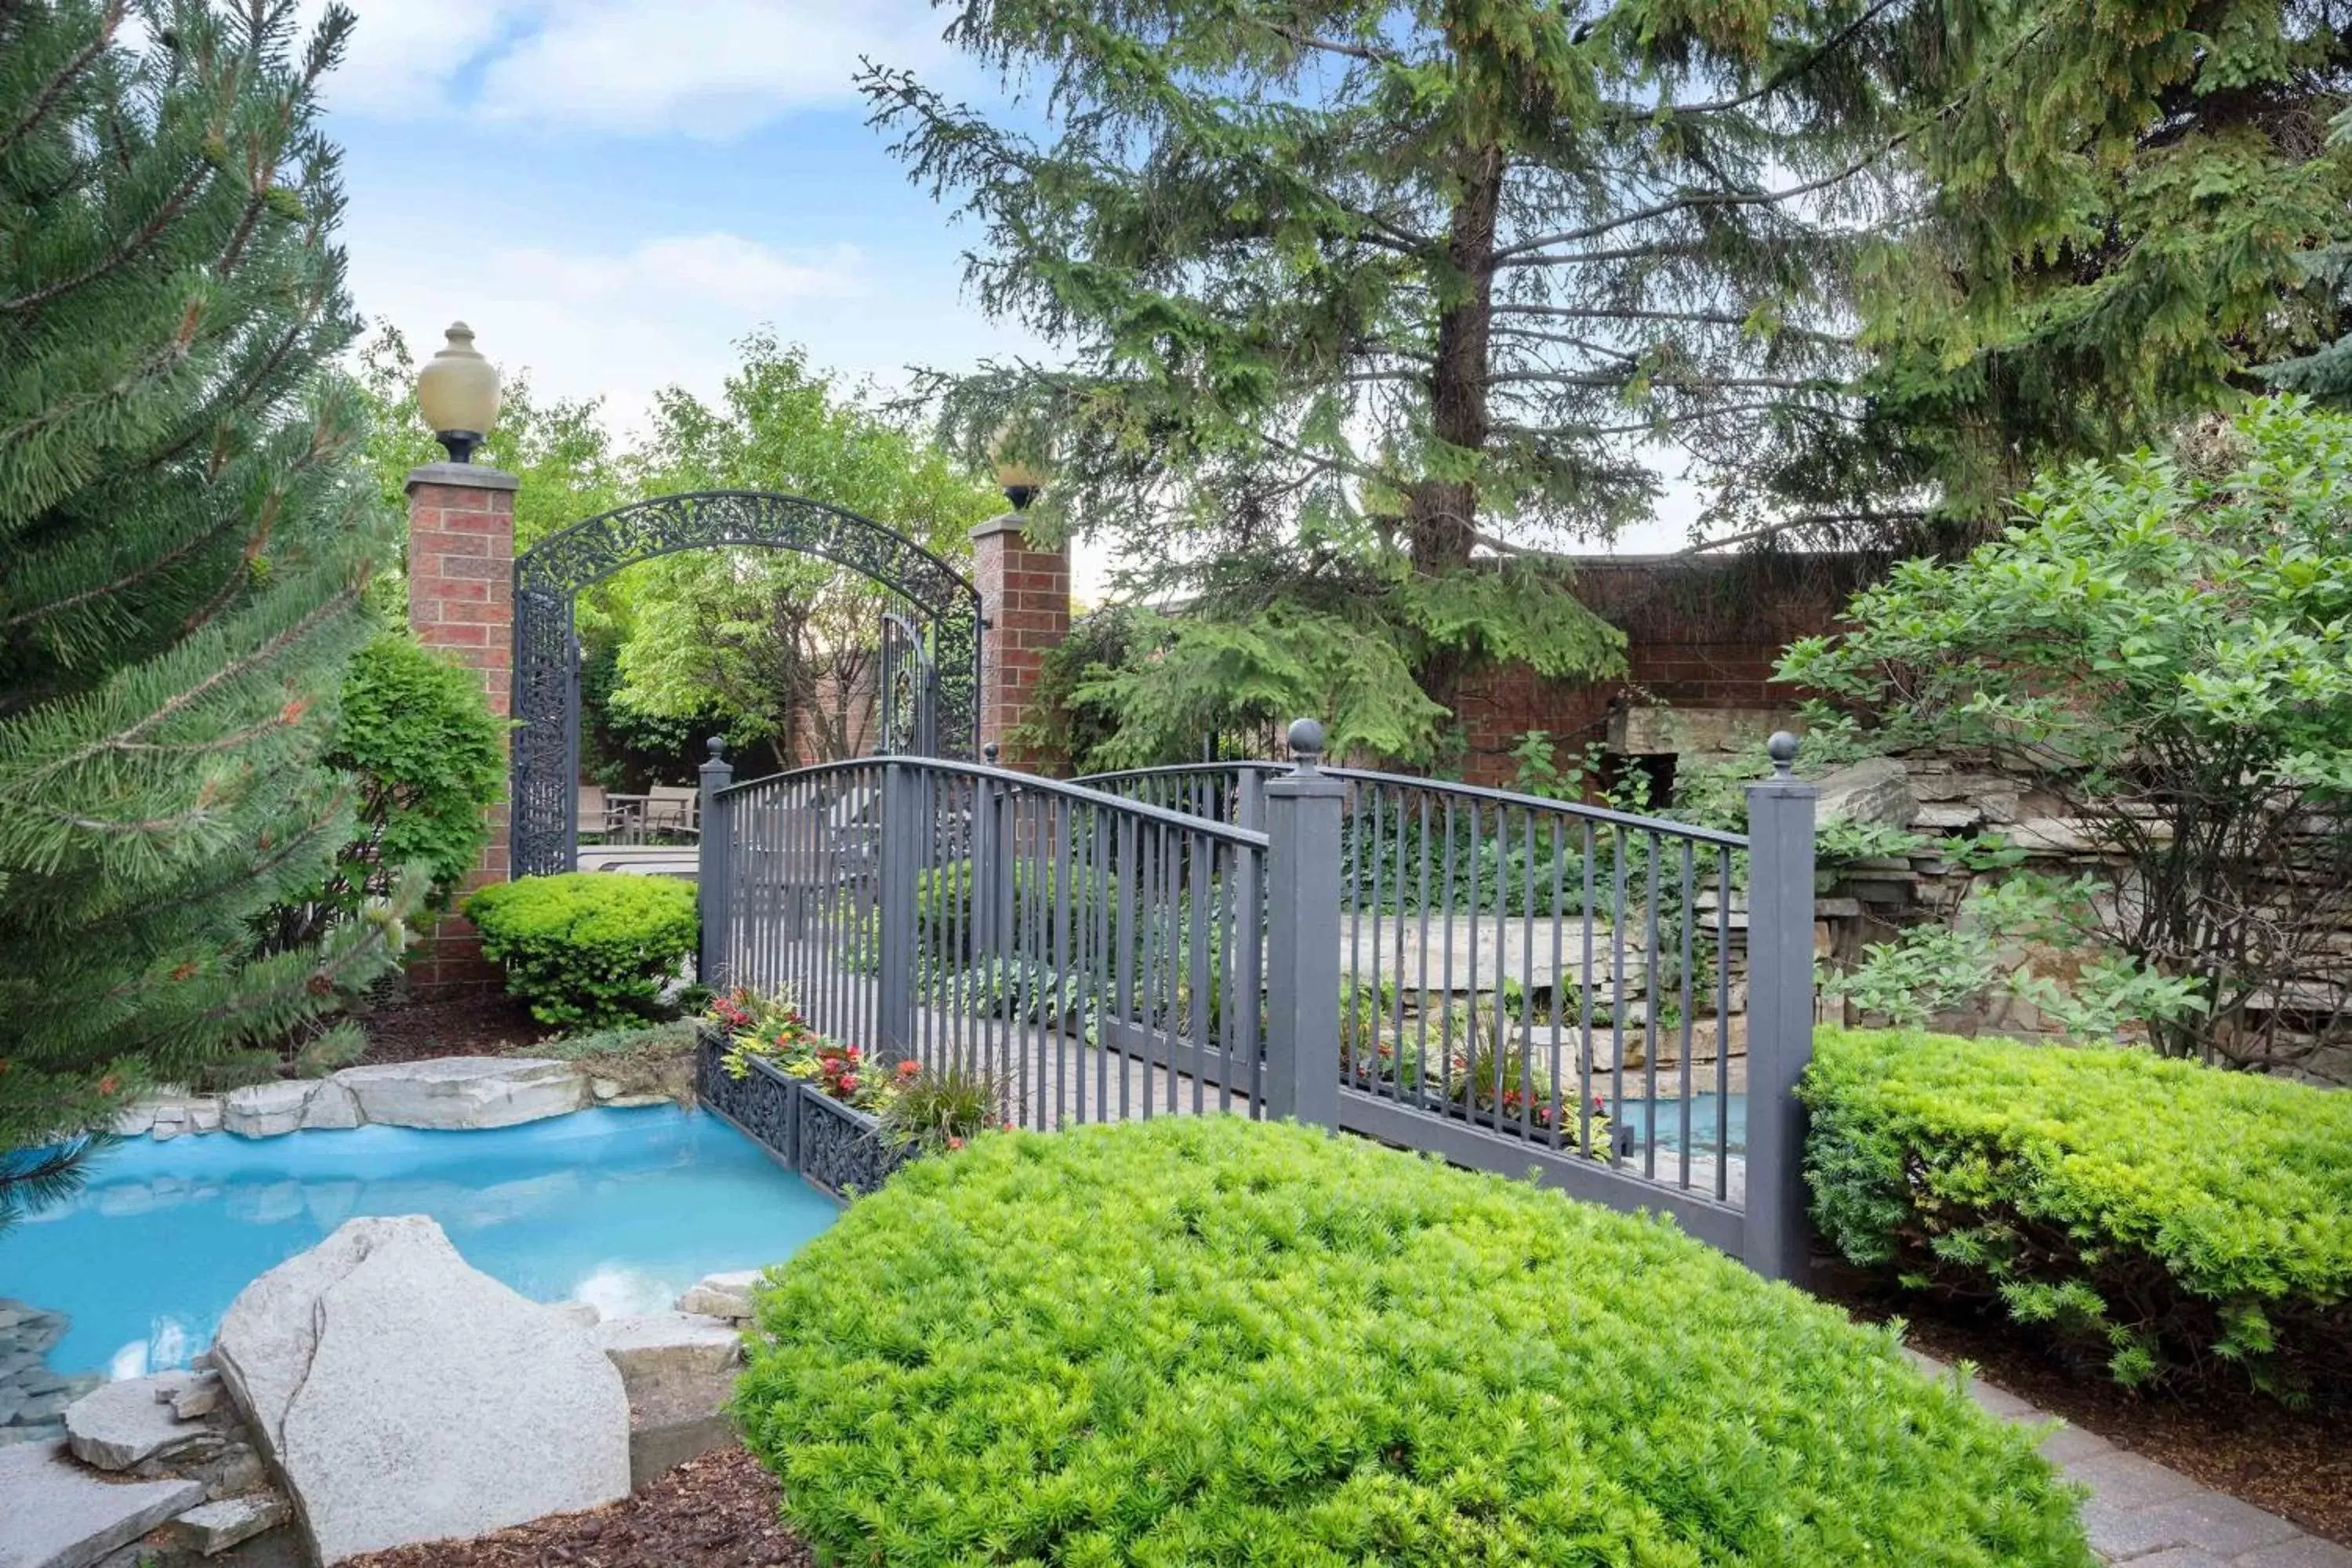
186, 536
784, 644
1397, 297
2164, 644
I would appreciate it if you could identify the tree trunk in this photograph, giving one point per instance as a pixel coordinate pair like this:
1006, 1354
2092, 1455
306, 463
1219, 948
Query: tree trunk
1439, 516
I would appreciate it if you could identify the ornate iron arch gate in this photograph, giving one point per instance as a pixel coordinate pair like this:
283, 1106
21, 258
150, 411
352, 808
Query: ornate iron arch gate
548, 577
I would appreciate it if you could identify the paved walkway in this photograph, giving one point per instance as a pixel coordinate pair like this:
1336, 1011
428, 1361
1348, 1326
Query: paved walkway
2141, 1513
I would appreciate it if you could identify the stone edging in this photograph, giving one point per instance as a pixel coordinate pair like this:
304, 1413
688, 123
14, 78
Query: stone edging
454, 1093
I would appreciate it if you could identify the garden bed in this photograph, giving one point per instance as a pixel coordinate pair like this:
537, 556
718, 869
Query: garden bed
485, 1023
717, 1511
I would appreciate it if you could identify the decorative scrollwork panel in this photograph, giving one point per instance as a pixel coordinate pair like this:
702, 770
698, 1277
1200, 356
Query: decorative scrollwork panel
550, 575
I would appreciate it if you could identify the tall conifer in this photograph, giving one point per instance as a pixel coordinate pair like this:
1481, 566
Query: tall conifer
183, 542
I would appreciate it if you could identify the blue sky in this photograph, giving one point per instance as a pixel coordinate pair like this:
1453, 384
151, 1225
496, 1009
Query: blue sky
612, 192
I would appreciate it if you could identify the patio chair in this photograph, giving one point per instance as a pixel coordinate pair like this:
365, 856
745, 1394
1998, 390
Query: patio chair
597, 816
672, 808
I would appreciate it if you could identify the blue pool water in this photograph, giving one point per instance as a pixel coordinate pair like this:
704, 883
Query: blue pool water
622, 1208
1668, 1114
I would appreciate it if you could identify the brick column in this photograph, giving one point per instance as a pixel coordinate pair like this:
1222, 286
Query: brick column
1024, 596
461, 604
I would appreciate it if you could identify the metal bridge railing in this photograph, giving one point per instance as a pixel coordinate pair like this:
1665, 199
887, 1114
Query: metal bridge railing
1623, 1003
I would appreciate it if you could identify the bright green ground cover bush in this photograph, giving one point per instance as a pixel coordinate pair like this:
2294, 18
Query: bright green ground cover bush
2182, 1221
587, 949
1205, 1341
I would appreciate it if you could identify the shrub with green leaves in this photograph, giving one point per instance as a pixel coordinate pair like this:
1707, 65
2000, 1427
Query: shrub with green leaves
2179, 1221
423, 756
587, 949
1205, 1341
2163, 645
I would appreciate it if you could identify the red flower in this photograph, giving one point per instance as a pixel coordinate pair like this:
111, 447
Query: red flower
109, 1084
910, 1067
954, 1142
849, 1080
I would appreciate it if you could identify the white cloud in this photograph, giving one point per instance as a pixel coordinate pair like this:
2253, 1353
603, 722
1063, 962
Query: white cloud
617, 325
723, 269
403, 54
704, 67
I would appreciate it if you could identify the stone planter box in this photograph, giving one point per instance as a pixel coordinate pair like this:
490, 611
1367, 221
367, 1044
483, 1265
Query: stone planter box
833, 1146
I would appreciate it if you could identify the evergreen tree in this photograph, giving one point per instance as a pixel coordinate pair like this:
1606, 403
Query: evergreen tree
185, 541
2139, 208
1403, 297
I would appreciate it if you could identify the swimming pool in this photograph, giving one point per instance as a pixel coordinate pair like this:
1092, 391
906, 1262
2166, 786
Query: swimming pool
620, 1208
1666, 1117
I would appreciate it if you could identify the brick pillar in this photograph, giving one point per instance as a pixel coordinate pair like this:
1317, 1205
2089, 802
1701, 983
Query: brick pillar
1024, 596
461, 604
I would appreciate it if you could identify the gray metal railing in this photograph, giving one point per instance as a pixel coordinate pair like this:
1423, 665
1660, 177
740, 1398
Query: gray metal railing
1508, 981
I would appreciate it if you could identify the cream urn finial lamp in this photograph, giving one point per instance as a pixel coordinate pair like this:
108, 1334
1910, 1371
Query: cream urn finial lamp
457, 393
1019, 478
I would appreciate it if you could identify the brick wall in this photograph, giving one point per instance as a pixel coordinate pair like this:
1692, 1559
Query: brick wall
461, 604
1701, 633
1024, 594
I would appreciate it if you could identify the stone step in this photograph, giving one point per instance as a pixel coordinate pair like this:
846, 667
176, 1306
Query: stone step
61, 1515
217, 1526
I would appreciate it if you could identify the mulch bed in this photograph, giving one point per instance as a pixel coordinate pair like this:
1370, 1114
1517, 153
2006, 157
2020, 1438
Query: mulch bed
2294, 1463
482, 1025
716, 1512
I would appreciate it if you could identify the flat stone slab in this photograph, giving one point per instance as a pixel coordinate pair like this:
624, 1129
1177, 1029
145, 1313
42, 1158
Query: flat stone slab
462, 1092
119, 1425
60, 1515
680, 1369
267, 1109
217, 1526
2142, 1513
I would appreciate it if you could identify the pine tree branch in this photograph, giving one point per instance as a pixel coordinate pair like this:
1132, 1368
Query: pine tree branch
108, 21
328, 609
1631, 313
1521, 252
1778, 80
138, 244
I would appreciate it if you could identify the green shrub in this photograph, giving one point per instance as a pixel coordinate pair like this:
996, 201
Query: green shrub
587, 949
1205, 1341
418, 736
2185, 1222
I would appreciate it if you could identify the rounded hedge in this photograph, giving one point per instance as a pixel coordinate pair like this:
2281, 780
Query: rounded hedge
2183, 1221
1203, 1340
587, 949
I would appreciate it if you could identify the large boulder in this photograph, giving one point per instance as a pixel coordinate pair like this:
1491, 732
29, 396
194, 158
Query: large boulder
465, 1092
404, 1396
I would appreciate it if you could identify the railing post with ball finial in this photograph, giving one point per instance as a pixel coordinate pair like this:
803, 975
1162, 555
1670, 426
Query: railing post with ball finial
1302, 905
713, 866
1780, 1013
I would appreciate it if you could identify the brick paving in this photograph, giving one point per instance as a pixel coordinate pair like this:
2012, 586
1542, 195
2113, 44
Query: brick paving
2141, 1513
